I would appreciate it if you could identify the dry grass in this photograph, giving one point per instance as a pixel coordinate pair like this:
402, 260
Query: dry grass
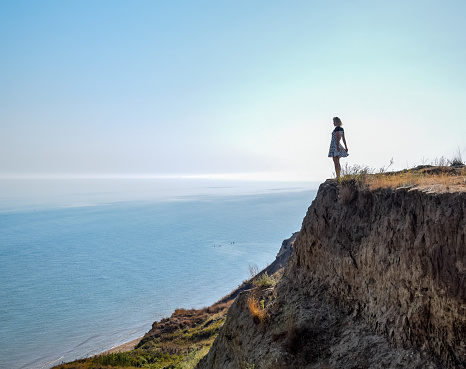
441, 180
435, 178
258, 312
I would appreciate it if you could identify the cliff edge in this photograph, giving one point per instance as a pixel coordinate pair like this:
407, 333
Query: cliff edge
377, 279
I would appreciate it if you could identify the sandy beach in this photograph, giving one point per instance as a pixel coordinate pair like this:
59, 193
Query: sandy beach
128, 346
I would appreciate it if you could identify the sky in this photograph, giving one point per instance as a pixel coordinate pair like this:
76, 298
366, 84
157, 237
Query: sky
228, 89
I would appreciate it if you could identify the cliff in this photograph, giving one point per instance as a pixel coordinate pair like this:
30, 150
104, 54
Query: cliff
377, 279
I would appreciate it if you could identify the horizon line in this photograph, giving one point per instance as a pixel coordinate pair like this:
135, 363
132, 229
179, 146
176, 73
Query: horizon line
245, 176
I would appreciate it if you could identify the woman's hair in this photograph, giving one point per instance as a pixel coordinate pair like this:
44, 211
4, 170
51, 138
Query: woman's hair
338, 121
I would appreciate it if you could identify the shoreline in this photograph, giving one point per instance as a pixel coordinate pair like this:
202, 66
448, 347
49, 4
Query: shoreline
124, 347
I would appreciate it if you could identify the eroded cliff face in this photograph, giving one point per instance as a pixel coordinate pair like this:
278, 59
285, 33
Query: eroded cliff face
376, 280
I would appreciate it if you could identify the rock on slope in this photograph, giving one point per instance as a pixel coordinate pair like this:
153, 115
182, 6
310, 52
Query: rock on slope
377, 279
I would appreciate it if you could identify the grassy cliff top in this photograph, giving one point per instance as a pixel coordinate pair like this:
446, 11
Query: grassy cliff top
424, 177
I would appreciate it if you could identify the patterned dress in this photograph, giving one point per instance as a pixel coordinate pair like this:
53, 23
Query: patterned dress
333, 144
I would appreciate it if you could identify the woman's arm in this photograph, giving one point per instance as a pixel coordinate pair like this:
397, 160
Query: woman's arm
344, 141
337, 138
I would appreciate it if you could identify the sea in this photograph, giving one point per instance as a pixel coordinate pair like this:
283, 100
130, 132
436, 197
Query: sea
89, 264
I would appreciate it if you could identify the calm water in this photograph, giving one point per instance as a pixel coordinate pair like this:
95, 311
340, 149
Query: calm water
90, 264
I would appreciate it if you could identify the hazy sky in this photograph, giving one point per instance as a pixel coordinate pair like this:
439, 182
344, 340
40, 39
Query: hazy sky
174, 87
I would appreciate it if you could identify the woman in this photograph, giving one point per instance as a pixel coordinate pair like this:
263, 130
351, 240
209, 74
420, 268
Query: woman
336, 150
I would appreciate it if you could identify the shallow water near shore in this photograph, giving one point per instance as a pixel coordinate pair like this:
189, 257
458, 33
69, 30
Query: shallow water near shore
88, 265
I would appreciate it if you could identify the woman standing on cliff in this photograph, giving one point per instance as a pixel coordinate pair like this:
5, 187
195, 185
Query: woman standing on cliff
336, 150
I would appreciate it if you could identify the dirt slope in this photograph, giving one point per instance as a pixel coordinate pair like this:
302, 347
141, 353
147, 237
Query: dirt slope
376, 280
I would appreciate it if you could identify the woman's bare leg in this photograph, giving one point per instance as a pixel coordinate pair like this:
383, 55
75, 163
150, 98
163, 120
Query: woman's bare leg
336, 161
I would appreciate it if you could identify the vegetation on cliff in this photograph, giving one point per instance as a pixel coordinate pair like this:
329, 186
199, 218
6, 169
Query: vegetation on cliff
437, 178
177, 342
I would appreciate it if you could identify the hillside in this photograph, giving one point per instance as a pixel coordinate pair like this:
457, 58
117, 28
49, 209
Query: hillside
376, 280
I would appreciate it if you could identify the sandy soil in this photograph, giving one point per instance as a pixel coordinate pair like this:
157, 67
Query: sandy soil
128, 346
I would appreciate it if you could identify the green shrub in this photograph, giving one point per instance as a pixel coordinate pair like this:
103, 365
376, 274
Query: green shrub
116, 359
264, 281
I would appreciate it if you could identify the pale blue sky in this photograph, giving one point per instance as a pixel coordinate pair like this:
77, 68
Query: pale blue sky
235, 88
